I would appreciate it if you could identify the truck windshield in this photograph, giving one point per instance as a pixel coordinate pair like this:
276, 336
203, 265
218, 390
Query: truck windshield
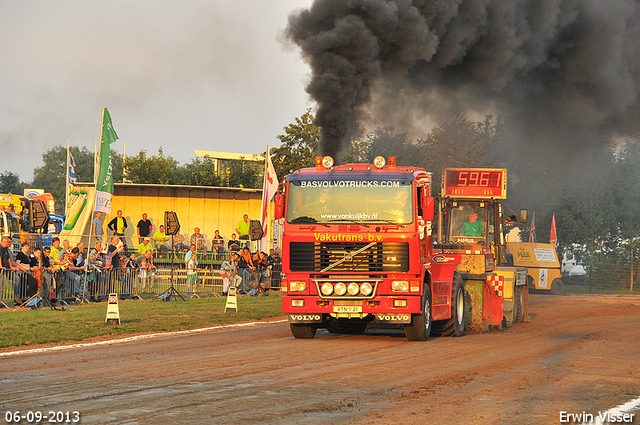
469, 223
359, 201
13, 225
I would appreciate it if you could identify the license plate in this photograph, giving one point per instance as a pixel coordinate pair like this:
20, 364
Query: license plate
347, 309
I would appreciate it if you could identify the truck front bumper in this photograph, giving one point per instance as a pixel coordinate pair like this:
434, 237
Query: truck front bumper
389, 309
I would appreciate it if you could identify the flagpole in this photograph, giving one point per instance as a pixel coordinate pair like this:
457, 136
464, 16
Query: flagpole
66, 184
263, 209
95, 161
124, 160
93, 207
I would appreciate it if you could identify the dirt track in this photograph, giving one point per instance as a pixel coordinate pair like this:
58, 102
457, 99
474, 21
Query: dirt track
579, 353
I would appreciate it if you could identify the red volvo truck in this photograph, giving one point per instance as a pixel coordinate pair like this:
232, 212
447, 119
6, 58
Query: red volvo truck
357, 249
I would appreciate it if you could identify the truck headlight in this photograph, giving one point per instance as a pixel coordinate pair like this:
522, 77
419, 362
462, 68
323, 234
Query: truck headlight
340, 288
366, 289
400, 286
297, 286
326, 289
353, 289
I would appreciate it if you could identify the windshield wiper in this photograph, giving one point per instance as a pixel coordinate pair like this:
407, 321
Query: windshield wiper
348, 221
306, 219
386, 221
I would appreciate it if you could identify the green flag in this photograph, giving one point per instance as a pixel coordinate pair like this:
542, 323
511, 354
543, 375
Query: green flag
104, 185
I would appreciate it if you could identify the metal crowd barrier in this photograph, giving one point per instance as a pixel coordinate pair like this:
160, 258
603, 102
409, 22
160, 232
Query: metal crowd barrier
96, 284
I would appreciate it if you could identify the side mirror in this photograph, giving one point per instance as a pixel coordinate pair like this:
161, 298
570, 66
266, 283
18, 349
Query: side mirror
39, 216
279, 210
427, 208
523, 216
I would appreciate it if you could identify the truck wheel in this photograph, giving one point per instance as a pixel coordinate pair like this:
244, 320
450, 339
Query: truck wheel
301, 330
455, 326
557, 287
354, 328
420, 326
530, 284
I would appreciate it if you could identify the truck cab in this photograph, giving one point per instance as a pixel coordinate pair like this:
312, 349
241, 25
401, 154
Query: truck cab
472, 223
10, 226
357, 248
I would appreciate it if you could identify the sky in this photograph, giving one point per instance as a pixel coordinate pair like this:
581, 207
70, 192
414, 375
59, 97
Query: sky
200, 74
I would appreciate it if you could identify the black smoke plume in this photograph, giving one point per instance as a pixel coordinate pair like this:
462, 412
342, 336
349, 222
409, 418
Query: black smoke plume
569, 69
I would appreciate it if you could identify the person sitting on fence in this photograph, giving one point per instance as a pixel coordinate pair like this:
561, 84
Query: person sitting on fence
228, 272
73, 267
178, 241
217, 244
144, 247
233, 244
161, 239
199, 240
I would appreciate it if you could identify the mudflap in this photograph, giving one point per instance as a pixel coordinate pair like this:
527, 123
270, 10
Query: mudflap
512, 278
493, 300
442, 268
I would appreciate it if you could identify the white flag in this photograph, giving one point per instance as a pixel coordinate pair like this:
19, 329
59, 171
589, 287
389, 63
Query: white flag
269, 189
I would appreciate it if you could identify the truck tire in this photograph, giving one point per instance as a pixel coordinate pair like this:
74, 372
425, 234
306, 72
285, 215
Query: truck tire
354, 328
302, 330
420, 327
530, 284
454, 326
557, 287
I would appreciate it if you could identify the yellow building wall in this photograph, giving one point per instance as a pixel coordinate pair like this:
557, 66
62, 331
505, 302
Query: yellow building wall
209, 209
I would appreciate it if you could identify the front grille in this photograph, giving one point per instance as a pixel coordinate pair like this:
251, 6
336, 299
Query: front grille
383, 257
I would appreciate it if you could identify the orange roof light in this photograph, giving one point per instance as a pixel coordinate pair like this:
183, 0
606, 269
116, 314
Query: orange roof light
392, 162
319, 163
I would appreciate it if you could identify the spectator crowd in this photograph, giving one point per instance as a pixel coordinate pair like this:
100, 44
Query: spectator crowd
61, 271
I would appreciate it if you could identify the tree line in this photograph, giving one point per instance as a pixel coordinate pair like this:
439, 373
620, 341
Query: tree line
595, 199
593, 192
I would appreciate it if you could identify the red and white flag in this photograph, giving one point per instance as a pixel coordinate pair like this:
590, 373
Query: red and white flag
553, 238
532, 232
269, 189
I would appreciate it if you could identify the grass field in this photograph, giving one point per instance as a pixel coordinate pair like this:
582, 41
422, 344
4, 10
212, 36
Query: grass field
584, 289
44, 326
